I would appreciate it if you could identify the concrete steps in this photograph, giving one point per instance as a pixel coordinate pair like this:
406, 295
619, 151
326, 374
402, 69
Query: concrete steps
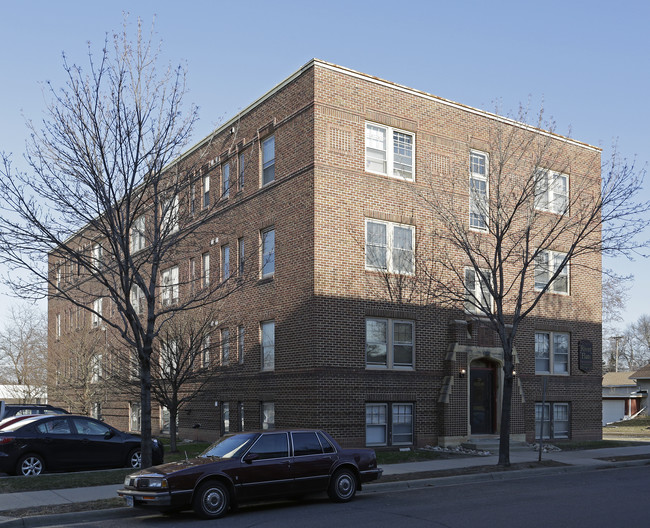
490, 443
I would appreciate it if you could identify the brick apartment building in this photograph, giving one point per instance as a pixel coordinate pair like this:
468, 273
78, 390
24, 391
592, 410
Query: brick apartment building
325, 165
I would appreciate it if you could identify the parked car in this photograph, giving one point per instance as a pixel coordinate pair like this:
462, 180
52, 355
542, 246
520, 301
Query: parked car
5, 422
18, 409
251, 466
68, 442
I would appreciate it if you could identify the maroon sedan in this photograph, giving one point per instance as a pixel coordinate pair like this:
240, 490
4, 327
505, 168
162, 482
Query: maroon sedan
252, 466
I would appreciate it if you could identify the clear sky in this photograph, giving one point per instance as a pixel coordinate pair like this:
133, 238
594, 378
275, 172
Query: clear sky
587, 61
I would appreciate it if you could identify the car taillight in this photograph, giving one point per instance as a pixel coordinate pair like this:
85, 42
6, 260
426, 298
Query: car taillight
6, 440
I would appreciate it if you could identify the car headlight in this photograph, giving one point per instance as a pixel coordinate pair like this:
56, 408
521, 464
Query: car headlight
149, 482
127, 481
157, 483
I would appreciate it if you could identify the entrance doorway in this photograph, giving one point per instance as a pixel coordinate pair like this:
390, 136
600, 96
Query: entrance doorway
482, 397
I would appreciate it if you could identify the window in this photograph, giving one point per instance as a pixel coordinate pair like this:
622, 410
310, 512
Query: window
97, 256
97, 312
389, 343
241, 171
240, 344
169, 216
477, 294
305, 444
225, 346
137, 299
225, 262
478, 190
552, 191
137, 234
241, 416
268, 253
170, 286
551, 353
168, 359
389, 424
205, 352
225, 180
268, 160
206, 191
274, 445
193, 206
58, 326
225, 417
96, 368
390, 246
268, 415
389, 151
57, 426
205, 271
556, 420
96, 411
240, 256
192, 272
546, 264
268, 345
134, 416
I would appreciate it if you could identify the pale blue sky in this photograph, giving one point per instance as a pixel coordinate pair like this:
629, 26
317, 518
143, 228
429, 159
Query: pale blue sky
588, 61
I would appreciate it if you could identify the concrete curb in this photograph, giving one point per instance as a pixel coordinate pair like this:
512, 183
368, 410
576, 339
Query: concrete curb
378, 487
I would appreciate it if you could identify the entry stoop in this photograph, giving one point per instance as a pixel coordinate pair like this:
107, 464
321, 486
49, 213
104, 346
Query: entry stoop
491, 443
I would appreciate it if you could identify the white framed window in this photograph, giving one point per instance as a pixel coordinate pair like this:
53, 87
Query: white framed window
205, 352
134, 416
225, 262
267, 331
389, 151
225, 417
205, 269
546, 265
241, 416
478, 190
556, 422
169, 216
193, 205
240, 344
389, 424
225, 346
552, 353
96, 411
58, 326
192, 273
268, 253
206, 191
137, 299
96, 368
97, 256
389, 343
390, 247
552, 191
268, 415
169, 281
138, 240
97, 311
268, 160
225, 180
477, 294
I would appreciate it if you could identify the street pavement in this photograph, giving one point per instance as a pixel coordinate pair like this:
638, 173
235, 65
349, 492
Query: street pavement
574, 461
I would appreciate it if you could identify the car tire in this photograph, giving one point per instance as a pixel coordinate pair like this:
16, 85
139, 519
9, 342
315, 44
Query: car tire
343, 486
30, 465
211, 500
134, 460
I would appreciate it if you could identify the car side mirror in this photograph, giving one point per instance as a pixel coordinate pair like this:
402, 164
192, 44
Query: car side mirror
250, 457
109, 434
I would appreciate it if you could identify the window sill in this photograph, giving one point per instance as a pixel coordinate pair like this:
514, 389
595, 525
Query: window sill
265, 280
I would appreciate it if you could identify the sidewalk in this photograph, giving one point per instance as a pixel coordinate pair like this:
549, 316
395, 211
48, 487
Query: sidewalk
583, 460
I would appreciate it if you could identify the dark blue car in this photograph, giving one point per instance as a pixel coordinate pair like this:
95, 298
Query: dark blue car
68, 442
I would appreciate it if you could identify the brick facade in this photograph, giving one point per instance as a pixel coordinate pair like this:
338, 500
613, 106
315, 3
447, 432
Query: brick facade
320, 294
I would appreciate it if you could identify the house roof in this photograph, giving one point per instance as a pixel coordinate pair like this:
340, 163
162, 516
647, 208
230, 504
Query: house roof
618, 379
642, 373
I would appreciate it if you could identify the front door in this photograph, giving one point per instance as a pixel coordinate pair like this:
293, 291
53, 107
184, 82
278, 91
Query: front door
481, 397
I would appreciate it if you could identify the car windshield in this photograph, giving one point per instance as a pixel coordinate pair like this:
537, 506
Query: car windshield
229, 446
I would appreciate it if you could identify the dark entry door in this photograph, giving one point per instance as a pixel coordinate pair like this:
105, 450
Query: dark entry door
481, 396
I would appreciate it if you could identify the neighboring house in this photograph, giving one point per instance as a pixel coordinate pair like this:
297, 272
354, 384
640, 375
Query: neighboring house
642, 378
621, 397
328, 165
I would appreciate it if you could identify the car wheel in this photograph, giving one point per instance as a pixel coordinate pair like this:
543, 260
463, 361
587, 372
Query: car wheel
30, 466
135, 459
343, 486
211, 500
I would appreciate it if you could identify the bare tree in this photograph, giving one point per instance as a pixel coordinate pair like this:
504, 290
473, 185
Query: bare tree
76, 370
524, 229
615, 296
23, 353
103, 203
